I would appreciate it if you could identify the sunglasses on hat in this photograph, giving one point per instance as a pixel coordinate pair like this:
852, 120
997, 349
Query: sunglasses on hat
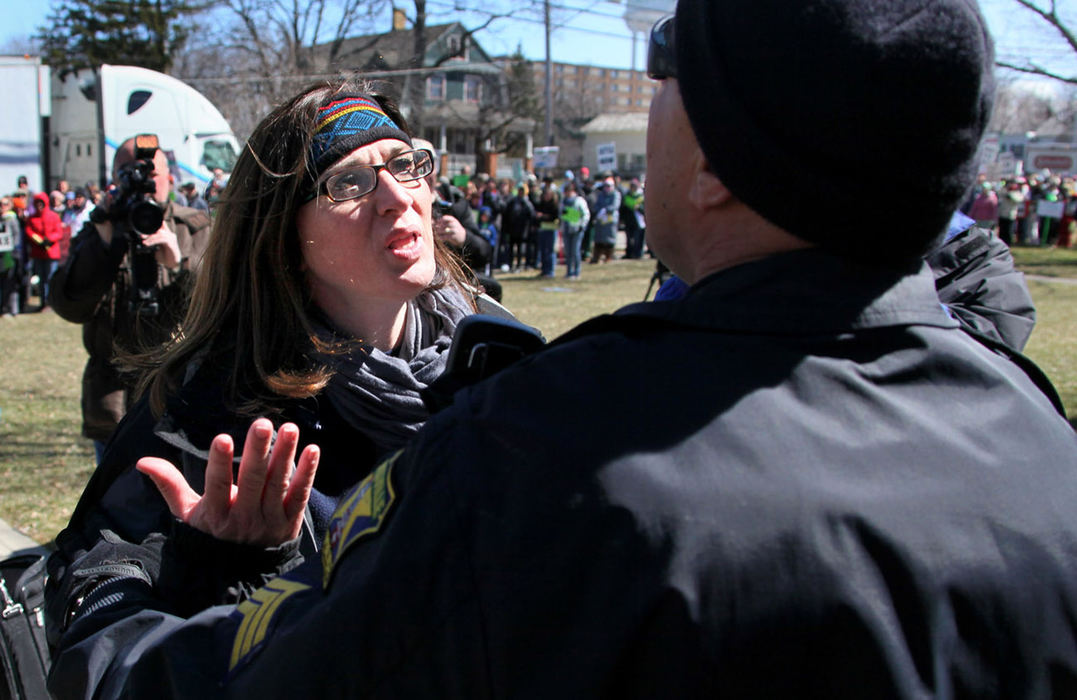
661, 58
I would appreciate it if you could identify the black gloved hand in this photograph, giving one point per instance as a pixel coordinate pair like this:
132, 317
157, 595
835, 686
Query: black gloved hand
199, 570
112, 561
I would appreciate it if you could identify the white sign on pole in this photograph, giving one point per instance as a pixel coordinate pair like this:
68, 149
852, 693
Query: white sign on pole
546, 157
988, 152
607, 156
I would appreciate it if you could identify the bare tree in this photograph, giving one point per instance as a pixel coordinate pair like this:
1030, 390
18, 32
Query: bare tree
1022, 106
16, 46
285, 37
1048, 13
255, 53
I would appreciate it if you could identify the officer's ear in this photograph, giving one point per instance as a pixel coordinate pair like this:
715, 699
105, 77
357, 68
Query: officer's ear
706, 191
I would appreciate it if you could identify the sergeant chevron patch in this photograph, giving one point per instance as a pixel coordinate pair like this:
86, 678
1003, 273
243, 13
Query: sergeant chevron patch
256, 613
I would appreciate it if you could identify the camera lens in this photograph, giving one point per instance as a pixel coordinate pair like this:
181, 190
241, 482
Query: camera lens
146, 217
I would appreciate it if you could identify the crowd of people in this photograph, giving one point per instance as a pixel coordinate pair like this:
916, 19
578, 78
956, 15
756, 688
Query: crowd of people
1038, 210
538, 224
511, 227
39, 229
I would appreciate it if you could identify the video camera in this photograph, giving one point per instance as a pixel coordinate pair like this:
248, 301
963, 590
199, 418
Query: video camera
136, 188
136, 214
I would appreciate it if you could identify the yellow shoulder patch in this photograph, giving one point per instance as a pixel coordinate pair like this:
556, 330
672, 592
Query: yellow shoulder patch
256, 613
361, 513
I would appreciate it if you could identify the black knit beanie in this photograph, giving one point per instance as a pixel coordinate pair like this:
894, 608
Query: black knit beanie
854, 124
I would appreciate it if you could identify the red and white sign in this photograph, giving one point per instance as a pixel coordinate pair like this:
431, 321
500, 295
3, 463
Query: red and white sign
1054, 162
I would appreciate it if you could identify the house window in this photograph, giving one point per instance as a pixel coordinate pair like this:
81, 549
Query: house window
461, 141
458, 47
613, 73
435, 87
472, 89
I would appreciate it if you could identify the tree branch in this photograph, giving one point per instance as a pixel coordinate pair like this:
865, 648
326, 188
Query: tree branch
1050, 16
1033, 69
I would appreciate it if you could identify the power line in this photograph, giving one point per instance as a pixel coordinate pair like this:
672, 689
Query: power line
553, 6
529, 20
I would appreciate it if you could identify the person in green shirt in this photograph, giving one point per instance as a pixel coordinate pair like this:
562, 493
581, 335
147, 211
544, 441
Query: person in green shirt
574, 218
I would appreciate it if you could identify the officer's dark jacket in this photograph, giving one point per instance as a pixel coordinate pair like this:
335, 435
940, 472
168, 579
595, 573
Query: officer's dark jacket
801, 480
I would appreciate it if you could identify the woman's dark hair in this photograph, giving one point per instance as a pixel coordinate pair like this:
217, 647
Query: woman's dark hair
250, 303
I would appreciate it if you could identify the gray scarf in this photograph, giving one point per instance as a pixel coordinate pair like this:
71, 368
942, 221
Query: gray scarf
378, 393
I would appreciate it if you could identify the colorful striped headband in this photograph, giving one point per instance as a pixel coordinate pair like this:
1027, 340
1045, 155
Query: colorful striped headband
348, 122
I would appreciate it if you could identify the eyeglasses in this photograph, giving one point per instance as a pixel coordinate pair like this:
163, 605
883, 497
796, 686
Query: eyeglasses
661, 57
352, 183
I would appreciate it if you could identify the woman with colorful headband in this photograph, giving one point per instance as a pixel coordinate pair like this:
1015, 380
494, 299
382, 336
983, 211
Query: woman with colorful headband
325, 307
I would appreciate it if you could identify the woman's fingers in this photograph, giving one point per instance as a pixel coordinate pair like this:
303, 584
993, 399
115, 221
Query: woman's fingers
299, 489
217, 495
253, 467
281, 463
178, 494
264, 505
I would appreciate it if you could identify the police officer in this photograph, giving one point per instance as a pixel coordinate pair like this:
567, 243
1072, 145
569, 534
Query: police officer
836, 491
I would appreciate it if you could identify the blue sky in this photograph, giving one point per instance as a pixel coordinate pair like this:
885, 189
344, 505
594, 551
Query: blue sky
595, 32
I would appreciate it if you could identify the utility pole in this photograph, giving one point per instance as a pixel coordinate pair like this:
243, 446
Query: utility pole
549, 77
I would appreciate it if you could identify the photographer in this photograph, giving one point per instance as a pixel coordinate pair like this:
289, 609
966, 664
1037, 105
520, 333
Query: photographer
126, 284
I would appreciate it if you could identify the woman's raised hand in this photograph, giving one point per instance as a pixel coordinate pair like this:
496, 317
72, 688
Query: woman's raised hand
265, 508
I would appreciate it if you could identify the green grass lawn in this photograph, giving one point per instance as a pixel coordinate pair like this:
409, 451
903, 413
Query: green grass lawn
1049, 262
44, 462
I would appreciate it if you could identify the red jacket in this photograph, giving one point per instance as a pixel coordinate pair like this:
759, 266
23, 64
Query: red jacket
44, 230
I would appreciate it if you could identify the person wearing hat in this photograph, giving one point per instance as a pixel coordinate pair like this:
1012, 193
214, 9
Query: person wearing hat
607, 211
801, 479
194, 198
77, 213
